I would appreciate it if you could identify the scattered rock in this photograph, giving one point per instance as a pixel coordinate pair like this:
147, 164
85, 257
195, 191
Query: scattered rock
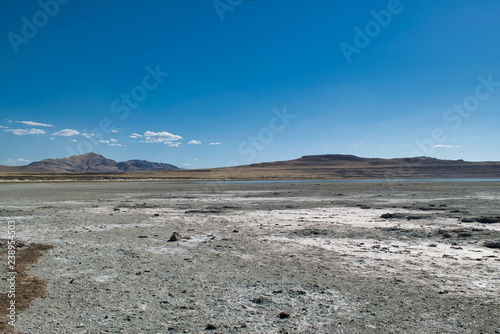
284, 315
142, 236
492, 244
175, 237
262, 300
488, 220
312, 232
210, 327
401, 216
202, 211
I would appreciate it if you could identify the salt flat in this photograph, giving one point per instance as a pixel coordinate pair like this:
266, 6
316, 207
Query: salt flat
260, 258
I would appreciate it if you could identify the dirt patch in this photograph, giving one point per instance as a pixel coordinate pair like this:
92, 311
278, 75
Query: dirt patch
28, 288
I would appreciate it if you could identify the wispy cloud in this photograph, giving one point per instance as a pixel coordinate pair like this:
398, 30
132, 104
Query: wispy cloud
447, 146
194, 142
164, 137
216, 143
3, 127
17, 162
24, 132
31, 123
66, 133
135, 135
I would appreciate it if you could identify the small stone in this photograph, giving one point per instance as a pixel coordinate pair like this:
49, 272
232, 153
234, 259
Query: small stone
210, 327
175, 237
492, 244
261, 300
284, 315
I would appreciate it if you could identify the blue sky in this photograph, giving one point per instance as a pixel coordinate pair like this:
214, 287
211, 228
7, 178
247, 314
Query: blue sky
205, 83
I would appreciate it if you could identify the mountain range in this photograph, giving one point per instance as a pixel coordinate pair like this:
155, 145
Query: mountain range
91, 163
91, 166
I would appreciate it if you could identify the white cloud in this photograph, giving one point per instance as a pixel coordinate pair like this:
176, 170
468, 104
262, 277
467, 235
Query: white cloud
447, 146
187, 164
31, 123
52, 138
135, 135
116, 145
104, 141
161, 137
17, 162
194, 142
113, 140
72, 140
23, 132
114, 131
66, 133
3, 127
216, 143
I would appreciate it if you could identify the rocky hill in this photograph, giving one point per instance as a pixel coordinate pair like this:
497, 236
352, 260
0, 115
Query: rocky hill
94, 163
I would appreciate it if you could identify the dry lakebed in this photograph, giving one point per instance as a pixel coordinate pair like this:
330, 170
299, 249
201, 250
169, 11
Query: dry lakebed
312, 257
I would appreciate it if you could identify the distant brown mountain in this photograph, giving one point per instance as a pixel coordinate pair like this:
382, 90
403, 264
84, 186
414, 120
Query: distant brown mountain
90, 163
319, 167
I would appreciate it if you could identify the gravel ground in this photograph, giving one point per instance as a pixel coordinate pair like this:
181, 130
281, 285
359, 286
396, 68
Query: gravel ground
374, 257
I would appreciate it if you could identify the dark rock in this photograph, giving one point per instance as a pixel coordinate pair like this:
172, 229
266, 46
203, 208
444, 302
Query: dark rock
284, 315
467, 220
142, 236
446, 235
203, 211
464, 234
312, 232
210, 327
393, 215
175, 237
488, 220
492, 244
262, 300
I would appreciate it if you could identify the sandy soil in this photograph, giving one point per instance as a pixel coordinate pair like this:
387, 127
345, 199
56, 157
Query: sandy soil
259, 258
